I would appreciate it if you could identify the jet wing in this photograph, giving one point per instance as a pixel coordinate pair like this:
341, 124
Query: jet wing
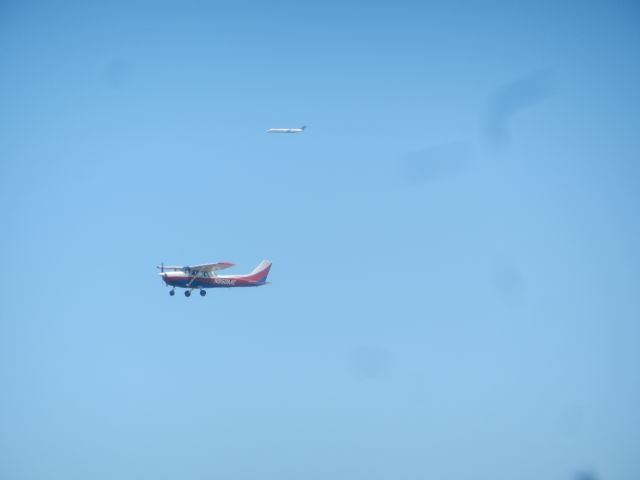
210, 267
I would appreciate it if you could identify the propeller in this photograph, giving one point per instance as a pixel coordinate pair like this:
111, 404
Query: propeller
161, 268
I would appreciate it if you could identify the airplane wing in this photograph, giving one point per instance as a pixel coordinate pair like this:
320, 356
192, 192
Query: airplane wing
210, 267
205, 267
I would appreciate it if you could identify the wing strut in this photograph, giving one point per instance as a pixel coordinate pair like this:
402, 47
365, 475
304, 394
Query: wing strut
192, 280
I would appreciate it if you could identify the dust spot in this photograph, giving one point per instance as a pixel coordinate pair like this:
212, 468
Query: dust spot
437, 162
509, 282
370, 363
118, 73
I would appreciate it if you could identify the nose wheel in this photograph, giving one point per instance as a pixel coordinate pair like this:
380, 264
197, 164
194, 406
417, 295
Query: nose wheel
172, 292
203, 293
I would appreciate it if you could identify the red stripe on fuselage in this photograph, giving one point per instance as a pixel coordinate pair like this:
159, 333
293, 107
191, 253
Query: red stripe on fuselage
203, 282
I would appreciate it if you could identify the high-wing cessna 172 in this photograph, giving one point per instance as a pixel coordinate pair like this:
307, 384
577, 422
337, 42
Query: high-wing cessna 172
286, 130
204, 276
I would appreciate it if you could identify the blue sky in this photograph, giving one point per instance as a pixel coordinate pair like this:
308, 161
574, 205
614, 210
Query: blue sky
454, 291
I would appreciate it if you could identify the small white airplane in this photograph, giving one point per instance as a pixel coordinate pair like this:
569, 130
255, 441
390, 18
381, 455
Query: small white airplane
287, 130
203, 276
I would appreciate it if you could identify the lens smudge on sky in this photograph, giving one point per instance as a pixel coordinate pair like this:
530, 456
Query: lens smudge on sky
437, 162
510, 100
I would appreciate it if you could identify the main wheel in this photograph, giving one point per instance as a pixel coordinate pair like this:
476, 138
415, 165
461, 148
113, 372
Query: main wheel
172, 292
202, 293
187, 293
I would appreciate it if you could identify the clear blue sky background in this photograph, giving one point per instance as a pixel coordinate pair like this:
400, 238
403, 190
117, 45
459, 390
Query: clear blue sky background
455, 240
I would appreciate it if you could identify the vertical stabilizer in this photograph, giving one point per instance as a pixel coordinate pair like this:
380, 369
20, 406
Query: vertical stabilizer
260, 273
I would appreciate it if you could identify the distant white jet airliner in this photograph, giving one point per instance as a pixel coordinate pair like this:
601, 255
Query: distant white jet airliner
286, 130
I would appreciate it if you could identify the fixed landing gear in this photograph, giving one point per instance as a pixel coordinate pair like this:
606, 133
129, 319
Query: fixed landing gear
187, 293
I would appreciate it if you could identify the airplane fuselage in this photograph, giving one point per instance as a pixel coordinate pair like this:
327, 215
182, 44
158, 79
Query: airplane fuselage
285, 130
196, 282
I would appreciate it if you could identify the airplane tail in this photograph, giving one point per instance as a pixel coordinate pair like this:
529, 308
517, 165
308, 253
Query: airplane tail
303, 127
260, 273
